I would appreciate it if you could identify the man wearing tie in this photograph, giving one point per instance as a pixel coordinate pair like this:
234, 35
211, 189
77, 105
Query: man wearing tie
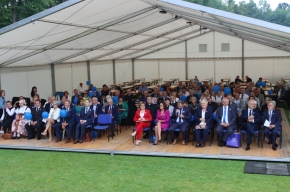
251, 121
36, 121
112, 110
67, 122
97, 108
273, 117
243, 95
182, 116
226, 119
86, 119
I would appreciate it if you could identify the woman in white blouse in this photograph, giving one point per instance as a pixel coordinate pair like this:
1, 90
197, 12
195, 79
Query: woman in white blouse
52, 119
18, 125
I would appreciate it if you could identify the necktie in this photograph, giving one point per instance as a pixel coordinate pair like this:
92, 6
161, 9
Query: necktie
250, 112
225, 113
110, 110
179, 113
270, 116
242, 96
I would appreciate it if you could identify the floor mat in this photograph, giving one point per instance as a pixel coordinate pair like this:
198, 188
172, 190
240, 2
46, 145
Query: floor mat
267, 168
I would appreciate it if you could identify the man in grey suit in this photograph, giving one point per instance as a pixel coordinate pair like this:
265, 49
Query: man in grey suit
239, 102
226, 120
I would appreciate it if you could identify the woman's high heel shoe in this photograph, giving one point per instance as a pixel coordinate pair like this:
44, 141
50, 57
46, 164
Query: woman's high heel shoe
155, 143
133, 134
49, 139
44, 133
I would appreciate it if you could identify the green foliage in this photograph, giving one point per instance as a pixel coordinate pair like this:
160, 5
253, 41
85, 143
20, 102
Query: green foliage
262, 11
63, 171
23, 9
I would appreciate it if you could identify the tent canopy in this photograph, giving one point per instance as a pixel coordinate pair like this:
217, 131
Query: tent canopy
93, 30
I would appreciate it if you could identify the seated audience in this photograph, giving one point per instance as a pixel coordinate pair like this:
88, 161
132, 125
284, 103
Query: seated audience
217, 98
214, 106
243, 95
226, 120
143, 119
81, 89
18, 125
160, 98
155, 93
193, 105
259, 81
63, 100
79, 106
273, 117
97, 108
53, 119
239, 102
144, 96
36, 121
65, 93
105, 91
86, 119
250, 121
265, 106
238, 80
162, 121
123, 109
248, 79
75, 97
143, 88
203, 122
112, 110
49, 104
131, 101
33, 93
181, 116
195, 80
168, 106
280, 91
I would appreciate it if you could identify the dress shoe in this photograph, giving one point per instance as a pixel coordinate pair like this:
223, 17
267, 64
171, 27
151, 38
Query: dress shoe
68, 141
220, 143
57, 140
76, 141
13, 137
276, 144
270, 143
81, 141
197, 145
274, 147
248, 147
112, 135
202, 145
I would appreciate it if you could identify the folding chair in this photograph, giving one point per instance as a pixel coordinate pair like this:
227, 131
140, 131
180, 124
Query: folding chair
104, 121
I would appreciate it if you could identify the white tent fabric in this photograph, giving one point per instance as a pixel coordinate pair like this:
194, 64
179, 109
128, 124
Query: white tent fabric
96, 30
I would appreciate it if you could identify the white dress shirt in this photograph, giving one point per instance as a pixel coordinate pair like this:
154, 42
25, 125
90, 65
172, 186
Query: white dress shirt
54, 113
81, 89
179, 113
249, 110
22, 110
10, 112
227, 112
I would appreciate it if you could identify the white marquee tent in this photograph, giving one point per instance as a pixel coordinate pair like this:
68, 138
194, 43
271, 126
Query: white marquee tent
114, 41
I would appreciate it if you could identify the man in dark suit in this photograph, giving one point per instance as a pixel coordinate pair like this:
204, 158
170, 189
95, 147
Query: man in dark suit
191, 94
231, 103
36, 121
97, 108
76, 95
226, 119
86, 119
212, 104
251, 120
248, 79
131, 101
67, 122
49, 104
181, 116
153, 111
63, 100
112, 110
273, 116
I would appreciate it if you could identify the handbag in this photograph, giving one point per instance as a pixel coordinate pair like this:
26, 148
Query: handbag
88, 137
234, 140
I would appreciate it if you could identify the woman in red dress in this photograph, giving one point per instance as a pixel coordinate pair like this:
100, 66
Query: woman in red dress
143, 119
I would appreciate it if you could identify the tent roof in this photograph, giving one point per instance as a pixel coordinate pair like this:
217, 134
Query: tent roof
91, 30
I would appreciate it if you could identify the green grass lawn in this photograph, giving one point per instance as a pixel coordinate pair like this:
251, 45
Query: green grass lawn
62, 171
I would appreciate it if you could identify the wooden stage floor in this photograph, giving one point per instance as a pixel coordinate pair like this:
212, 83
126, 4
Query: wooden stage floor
122, 144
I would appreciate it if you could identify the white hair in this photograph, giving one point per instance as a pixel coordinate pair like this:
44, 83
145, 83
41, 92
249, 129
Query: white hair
255, 102
204, 101
273, 102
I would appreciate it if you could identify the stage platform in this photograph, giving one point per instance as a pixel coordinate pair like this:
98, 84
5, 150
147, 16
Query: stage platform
122, 145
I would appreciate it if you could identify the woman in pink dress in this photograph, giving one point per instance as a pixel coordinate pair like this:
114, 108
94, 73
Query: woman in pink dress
162, 121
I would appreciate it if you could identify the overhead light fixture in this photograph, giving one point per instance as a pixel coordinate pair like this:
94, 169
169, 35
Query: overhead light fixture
188, 22
162, 11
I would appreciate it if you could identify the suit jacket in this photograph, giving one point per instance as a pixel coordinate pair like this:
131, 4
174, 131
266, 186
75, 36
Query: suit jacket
214, 106
37, 115
245, 115
165, 117
207, 116
232, 116
70, 117
115, 112
276, 117
47, 107
283, 91
73, 98
153, 109
234, 106
147, 115
98, 109
185, 112
241, 106
89, 116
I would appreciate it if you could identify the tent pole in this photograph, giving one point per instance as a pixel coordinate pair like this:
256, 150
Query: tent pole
186, 61
114, 72
133, 69
243, 58
89, 70
53, 78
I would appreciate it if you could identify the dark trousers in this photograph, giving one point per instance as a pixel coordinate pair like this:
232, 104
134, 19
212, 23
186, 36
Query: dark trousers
131, 114
30, 130
272, 138
181, 126
80, 130
251, 128
58, 130
7, 124
224, 136
202, 133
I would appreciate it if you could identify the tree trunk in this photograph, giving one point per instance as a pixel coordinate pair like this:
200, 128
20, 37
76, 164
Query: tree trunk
13, 11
